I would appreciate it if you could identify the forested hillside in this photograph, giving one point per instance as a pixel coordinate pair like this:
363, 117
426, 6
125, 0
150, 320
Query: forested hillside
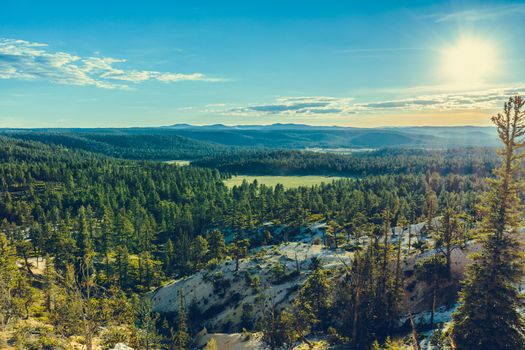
195, 142
478, 161
138, 224
125, 145
45, 187
87, 240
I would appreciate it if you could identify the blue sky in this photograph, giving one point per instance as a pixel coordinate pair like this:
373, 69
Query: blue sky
357, 63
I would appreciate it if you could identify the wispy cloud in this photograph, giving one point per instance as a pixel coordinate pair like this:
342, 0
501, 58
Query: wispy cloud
20, 59
482, 13
476, 100
294, 106
317, 106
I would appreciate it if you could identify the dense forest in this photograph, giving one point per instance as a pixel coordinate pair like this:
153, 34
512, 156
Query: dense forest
479, 161
125, 145
47, 190
216, 141
107, 231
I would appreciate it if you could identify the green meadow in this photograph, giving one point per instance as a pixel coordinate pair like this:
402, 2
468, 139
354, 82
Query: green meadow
179, 162
286, 181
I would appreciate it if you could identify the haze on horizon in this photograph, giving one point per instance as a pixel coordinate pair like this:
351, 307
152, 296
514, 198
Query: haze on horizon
155, 63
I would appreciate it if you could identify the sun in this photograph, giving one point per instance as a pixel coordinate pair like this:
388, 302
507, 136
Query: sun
469, 61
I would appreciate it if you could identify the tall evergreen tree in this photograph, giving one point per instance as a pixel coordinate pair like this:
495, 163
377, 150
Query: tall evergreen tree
239, 250
182, 336
269, 323
316, 294
217, 247
449, 236
146, 322
10, 275
488, 317
432, 271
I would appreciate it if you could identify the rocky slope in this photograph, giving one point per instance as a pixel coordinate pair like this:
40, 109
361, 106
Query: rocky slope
225, 296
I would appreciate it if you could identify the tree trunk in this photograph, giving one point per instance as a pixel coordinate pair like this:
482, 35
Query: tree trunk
409, 238
448, 257
310, 345
48, 301
433, 308
415, 341
28, 265
356, 315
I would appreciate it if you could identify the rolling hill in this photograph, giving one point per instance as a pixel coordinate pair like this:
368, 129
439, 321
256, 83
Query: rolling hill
184, 141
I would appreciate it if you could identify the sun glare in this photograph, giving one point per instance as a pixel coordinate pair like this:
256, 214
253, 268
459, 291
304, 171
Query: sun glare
469, 61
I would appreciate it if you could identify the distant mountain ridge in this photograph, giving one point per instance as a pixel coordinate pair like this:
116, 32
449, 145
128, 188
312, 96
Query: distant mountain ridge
305, 136
185, 141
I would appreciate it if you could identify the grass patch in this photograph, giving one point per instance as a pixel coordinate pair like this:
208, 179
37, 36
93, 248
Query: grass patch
286, 181
179, 162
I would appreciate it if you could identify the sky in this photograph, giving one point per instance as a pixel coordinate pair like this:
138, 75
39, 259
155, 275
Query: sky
353, 63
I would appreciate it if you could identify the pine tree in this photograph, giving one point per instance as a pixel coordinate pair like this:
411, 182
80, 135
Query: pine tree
182, 337
122, 266
10, 277
85, 294
217, 247
333, 234
239, 250
83, 237
199, 251
432, 271
369, 296
147, 320
430, 208
488, 317
269, 323
67, 314
50, 279
295, 323
169, 257
316, 294
449, 236
104, 243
